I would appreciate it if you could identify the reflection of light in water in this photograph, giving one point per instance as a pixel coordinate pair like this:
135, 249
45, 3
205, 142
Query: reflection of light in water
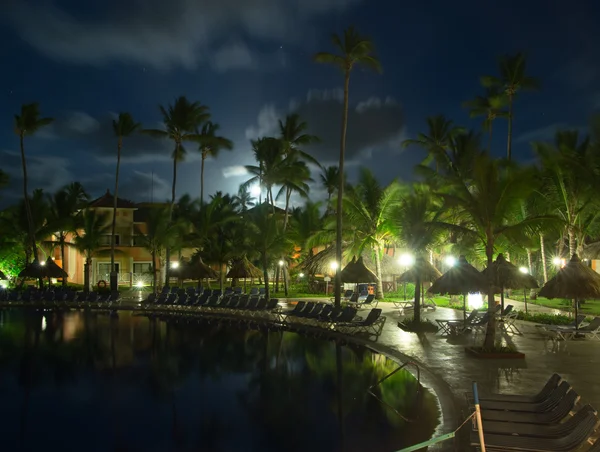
475, 300
43, 323
71, 325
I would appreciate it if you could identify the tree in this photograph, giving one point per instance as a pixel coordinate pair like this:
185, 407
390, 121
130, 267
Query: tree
438, 139
417, 220
210, 146
244, 199
268, 152
354, 50
487, 202
27, 124
513, 78
123, 127
330, 178
181, 121
63, 217
491, 106
155, 238
368, 210
570, 173
89, 239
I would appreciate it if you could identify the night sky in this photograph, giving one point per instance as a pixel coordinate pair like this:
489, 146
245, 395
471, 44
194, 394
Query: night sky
250, 61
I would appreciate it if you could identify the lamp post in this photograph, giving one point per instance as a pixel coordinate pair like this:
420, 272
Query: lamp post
406, 260
524, 271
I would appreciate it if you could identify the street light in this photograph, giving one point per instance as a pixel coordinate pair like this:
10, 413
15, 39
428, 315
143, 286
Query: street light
301, 275
281, 263
43, 263
450, 261
139, 284
523, 270
174, 264
333, 265
406, 260
556, 261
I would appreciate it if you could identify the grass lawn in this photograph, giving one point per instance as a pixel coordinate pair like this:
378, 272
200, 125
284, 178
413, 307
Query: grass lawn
590, 307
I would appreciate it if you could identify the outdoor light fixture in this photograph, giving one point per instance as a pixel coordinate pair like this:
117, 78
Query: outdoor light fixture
333, 265
4, 284
523, 270
301, 275
450, 261
255, 190
43, 263
475, 300
406, 260
281, 263
174, 264
139, 284
556, 261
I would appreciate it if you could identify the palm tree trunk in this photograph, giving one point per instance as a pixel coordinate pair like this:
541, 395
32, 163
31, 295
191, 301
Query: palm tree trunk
572, 241
202, 178
490, 333
285, 273
114, 285
379, 290
510, 120
417, 316
86, 274
62, 256
154, 271
338, 229
490, 138
34, 249
265, 274
529, 260
168, 248
543, 257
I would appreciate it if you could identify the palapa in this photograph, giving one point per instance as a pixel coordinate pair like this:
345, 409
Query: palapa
243, 268
461, 279
2, 275
574, 281
357, 272
423, 269
196, 270
505, 275
32, 270
52, 270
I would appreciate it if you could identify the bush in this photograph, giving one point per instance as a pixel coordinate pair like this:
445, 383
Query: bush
547, 319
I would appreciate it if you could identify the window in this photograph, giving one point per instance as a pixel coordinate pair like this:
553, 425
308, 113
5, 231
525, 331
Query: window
142, 268
138, 240
105, 240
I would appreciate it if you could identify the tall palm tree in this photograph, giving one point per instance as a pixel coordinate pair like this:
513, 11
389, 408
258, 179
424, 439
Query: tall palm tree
268, 152
513, 78
95, 225
244, 199
486, 203
570, 173
26, 124
491, 106
330, 178
123, 126
181, 121
210, 146
368, 207
64, 215
437, 140
353, 50
417, 220
155, 238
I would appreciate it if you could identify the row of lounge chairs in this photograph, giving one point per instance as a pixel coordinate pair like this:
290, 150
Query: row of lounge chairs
541, 422
578, 328
477, 321
166, 290
55, 296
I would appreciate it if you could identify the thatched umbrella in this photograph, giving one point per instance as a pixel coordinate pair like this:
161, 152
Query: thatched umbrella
196, 270
2, 275
357, 272
421, 270
33, 270
505, 275
243, 268
574, 281
52, 270
461, 279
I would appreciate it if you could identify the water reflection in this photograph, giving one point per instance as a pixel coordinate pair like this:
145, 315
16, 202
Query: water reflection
90, 381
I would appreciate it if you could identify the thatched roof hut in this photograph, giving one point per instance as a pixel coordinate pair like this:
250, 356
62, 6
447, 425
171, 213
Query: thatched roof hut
357, 272
52, 270
461, 279
243, 268
423, 269
195, 270
33, 270
506, 275
574, 280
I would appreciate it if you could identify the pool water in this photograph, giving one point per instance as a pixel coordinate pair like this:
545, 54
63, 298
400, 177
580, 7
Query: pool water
89, 381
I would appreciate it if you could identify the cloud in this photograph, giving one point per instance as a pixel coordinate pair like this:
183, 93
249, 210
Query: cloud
373, 124
546, 133
235, 55
234, 171
162, 34
137, 186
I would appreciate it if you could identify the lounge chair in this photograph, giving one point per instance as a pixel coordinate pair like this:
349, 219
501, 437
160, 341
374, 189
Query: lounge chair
372, 324
540, 431
579, 320
299, 307
345, 296
543, 406
454, 326
368, 303
561, 411
572, 441
550, 385
592, 329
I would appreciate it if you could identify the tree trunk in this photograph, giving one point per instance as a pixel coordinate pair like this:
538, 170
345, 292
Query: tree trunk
379, 291
285, 273
154, 271
529, 261
168, 248
266, 274
62, 256
338, 229
277, 278
490, 333
417, 305
543, 257
114, 218
510, 120
202, 178
572, 241
86, 275
34, 250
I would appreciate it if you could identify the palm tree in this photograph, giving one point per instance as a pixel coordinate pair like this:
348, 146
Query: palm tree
64, 218
155, 238
417, 218
306, 222
491, 106
354, 50
368, 208
437, 140
27, 124
181, 121
570, 174
513, 78
89, 239
268, 152
210, 146
244, 199
330, 178
486, 203
124, 126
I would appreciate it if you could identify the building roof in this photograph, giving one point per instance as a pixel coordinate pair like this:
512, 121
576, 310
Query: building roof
107, 200
277, 209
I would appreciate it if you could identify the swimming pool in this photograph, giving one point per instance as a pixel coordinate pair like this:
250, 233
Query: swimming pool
82, 380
